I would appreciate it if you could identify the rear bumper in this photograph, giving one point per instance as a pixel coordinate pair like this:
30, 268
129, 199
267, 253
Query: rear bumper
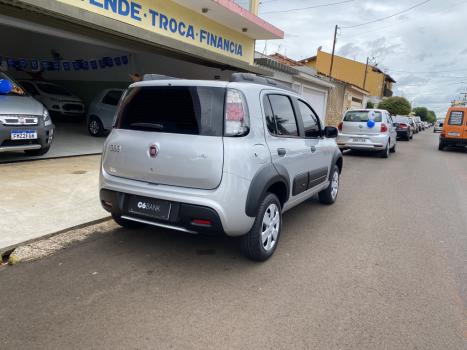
44, 138
227, 202
453, 142
180, 219
403, 133
372, 142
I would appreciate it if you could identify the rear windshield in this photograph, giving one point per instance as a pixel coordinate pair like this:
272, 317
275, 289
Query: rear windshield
402, 120
362, 116
456, 118
175, 109
16, 89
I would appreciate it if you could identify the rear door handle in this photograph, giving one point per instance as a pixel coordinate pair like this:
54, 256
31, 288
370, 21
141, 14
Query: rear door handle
281, 152
313, 149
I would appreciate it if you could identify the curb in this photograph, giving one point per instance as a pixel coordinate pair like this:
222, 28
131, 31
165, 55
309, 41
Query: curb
10, 249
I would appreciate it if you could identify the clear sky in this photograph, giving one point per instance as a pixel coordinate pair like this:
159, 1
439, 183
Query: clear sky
423, 49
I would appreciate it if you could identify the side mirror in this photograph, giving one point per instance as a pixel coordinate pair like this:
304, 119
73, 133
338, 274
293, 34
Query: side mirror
330, 132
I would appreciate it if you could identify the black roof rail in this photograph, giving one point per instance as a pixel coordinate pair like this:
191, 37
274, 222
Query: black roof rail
147, 77
257, 79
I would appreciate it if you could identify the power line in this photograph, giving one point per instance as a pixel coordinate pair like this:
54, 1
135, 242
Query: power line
390, 16
311, 7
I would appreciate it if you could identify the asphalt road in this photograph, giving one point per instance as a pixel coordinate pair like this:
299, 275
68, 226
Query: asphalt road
383, 268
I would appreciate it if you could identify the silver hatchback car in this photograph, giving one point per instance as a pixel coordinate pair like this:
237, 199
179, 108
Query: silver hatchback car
25, 124
217, 157
368, 130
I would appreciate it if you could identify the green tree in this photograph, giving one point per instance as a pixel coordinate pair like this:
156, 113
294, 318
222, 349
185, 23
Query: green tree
396, 105
421, 112
431, 117
370, 105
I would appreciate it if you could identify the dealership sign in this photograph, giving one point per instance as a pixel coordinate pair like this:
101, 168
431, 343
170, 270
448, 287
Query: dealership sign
172, 20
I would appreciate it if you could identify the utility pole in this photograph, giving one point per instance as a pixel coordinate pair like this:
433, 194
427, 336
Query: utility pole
333, 49
366, 72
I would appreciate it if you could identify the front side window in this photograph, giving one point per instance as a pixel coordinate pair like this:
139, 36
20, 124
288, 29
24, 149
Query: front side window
112, 97
456, 118
310, 120
283, 116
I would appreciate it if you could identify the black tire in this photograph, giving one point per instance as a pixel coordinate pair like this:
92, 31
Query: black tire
393, 149
251, 244
327, 196
126, 223
385, 152
95, 127
37, 152
441, 146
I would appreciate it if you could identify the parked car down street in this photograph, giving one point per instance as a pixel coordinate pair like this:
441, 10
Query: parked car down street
438, 127
454, 133
102, 110
58, 100
25, 124
403, 127
368, 130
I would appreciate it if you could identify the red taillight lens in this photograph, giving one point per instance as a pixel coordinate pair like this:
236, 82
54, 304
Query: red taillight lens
339, 126
403, 126
201, 222
384, 127
236, 115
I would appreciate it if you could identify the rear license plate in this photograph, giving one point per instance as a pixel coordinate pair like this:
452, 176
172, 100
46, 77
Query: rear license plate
454, 134
359, 140
23, 134
149, 207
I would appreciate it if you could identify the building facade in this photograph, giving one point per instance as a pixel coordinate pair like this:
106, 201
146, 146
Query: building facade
88, 46
369, 78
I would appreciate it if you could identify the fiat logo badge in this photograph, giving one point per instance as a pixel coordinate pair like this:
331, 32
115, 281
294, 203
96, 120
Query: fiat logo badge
153, 151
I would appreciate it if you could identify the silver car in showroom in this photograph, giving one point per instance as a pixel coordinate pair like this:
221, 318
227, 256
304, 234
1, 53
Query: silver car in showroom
368, 130
25, 124
102, 111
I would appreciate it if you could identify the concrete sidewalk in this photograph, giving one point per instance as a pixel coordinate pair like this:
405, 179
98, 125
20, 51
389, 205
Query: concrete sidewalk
42, 197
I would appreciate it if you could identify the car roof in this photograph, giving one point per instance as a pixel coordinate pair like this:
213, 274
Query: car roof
213, 83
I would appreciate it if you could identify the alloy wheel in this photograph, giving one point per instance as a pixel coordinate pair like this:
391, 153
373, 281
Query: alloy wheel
270, 227
94, 127
335, 185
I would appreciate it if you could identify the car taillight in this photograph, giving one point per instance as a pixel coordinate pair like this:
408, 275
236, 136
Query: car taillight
384, 127
236, 115
339, 126
403, 126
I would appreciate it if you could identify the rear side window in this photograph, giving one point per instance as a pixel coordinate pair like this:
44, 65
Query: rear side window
456, 118
112, 97
173, 109
362, 116
283, 116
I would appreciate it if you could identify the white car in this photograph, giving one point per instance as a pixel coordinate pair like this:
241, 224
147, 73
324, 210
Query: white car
368, 130
58, 100
438, 125
102, 111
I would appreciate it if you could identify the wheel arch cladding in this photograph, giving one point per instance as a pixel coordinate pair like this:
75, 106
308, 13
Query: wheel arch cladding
338, 160
269, 178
